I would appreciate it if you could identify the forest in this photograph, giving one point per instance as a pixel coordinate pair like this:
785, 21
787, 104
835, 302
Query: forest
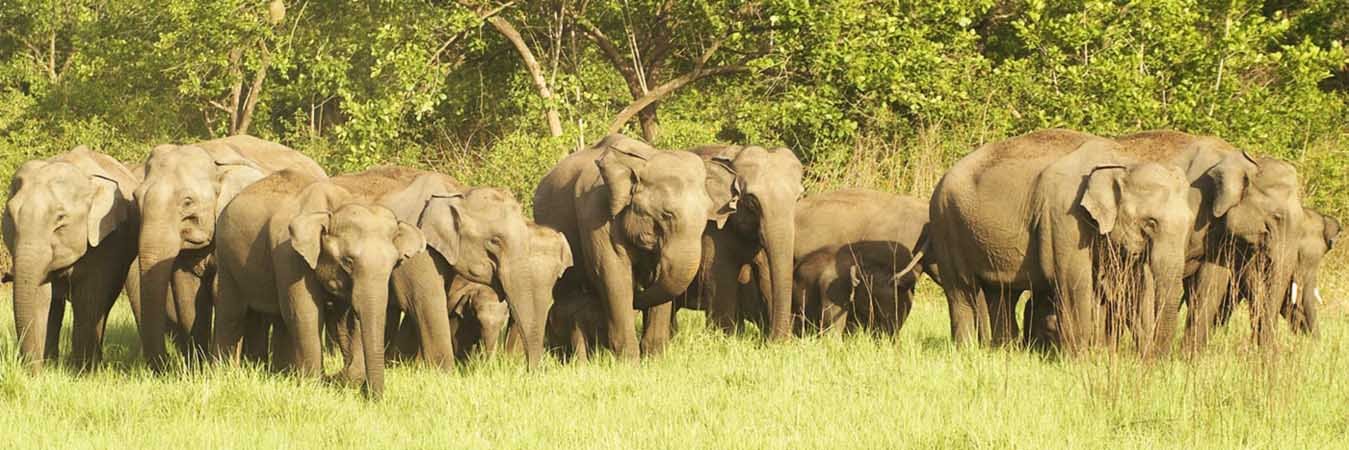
496, 92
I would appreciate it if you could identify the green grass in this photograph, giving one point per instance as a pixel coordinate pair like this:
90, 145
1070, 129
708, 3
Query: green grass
710, 391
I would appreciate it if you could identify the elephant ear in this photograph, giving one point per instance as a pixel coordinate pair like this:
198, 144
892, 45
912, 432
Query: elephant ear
105, 211
408, 240
306, 235
407, 203
1101, 197
724, 187
619, 166
232, 179
1230, 177
439, 223
1331, 231
564, 256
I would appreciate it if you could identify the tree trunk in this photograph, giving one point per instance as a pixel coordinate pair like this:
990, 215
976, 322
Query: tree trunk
535, 71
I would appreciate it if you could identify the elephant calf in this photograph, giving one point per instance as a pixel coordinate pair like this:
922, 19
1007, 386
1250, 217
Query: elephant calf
857, 255
576, 325
70, 227
479, 317
291, 243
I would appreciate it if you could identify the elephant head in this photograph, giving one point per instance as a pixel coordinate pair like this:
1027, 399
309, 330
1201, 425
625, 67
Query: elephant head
1257, 206
659, 207
756, 190
1143, 210
483, 234
550, 256
184, 189
56, 212
483, 305
352, 252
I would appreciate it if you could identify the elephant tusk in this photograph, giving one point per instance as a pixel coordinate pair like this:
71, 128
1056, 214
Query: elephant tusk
912, 263
1294, 293
1316, 291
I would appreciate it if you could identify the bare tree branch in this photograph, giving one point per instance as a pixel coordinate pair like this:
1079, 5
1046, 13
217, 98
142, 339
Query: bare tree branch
535, 71
664, 90
254, 91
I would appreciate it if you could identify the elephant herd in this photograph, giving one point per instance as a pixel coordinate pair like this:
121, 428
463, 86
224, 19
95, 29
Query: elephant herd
244, 249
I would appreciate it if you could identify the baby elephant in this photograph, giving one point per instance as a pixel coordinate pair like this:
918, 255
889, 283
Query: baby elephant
478, 317
577, 324
857, 260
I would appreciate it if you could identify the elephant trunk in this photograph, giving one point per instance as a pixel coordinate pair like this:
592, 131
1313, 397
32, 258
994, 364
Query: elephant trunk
675, 269
525, 307
778, 231
32, 299
370, 302
159, 247
1268, 287
1168, 274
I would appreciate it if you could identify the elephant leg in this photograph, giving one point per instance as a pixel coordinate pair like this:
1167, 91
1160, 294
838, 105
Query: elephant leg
256, 332
833, 316
1040, 323
302, 311
1002, 303
419, 287
91, 312
515, 341
1210, 283
656, 328
579, 343
282, 349
719, 283
56, 316
408, 341
230, 321
960, 301
614, 275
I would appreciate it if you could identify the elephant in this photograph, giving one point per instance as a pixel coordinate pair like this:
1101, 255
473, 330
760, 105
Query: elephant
1247, 220
1316, 238
576, 324
755, 191
550, 256
635, 216
70, 227
184, 189
479, 317
479, 235
1067, 216
292, 242
857, 259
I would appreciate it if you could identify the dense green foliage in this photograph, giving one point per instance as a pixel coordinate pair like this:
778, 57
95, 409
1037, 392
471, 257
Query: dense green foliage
893, 82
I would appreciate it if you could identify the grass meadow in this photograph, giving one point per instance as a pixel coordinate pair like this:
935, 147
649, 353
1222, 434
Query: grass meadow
714, 391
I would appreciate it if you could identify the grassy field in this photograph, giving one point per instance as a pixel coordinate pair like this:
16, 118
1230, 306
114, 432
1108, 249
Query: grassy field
710, 391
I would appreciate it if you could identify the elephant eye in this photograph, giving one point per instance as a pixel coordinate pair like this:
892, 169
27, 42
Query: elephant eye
1150, 224
347, 261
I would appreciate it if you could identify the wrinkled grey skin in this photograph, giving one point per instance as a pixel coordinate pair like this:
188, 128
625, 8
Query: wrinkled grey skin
754, 191
478, 317
185, 188
854, 254
70, 227
634, 217
1248, 216
1063, 214
1317, 237
478, 234
292, 243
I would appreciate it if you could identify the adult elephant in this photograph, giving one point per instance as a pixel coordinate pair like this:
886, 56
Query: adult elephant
475, 234
184, 189
1248, 218
291, 243
1316, 238
856, 251
1058, 212
71, 228
755, 191
636, 216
